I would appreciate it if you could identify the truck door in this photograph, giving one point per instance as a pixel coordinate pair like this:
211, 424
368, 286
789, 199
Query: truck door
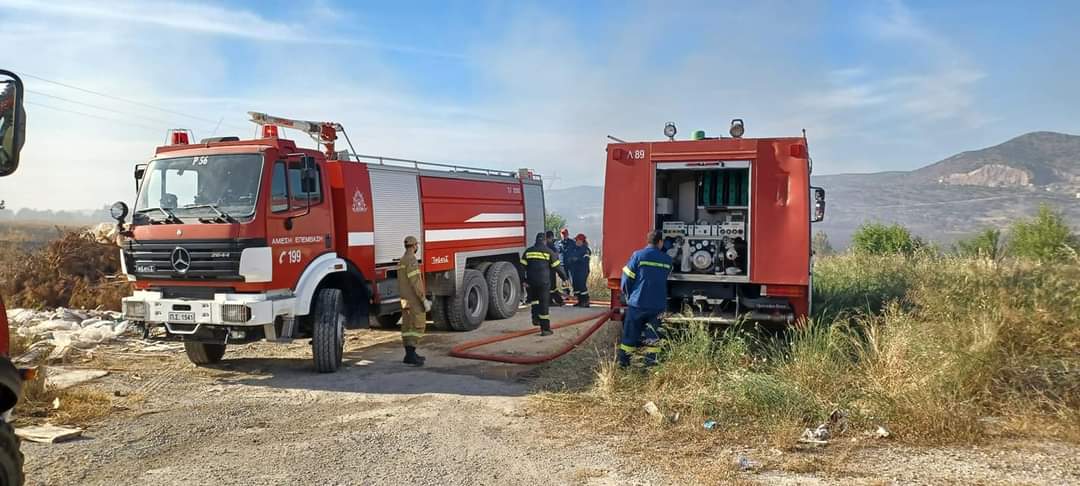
299, 219
780, 225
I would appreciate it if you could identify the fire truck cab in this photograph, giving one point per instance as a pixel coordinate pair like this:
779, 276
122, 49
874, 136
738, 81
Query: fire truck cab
735, 215
232, 241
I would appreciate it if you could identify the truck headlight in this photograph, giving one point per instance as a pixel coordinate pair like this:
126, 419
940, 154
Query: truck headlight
235, 313
135, 310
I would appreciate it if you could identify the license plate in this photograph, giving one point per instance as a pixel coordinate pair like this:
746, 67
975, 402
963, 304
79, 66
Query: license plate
181, 317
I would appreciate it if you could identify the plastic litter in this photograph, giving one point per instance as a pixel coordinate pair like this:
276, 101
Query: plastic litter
653, 410
67, 329
49, 434
882, 432
709, 424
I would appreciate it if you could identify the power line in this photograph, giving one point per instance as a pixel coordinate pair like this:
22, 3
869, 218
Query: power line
91, 115
98, 107
117, 98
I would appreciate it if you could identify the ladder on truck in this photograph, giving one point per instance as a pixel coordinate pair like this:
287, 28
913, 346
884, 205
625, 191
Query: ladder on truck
325, 133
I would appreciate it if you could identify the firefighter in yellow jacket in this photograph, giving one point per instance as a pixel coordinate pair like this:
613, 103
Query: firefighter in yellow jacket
414, 303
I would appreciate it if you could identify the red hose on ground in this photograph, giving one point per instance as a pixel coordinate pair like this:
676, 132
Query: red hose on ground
460, 351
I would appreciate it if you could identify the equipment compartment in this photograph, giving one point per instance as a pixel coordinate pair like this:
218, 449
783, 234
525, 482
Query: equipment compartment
703, 211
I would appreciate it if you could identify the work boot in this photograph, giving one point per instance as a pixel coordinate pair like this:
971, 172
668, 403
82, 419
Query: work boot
582, 301
623, 359
411, 358
545, 329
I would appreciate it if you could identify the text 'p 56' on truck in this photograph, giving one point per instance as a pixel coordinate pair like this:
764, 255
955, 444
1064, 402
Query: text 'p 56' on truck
232, 241
735, 217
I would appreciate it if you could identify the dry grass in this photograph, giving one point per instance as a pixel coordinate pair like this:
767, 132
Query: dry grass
78, 405
72, 270
937, 349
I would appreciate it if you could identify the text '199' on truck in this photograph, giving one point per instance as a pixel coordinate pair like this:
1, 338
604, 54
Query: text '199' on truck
232, 241
735, 215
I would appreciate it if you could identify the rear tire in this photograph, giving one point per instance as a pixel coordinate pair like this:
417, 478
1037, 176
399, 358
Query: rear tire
328, 330
389, 321
504, 286
440, 315
469, 306
204, 353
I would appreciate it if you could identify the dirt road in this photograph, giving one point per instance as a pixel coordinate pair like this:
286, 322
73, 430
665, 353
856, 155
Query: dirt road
263, 416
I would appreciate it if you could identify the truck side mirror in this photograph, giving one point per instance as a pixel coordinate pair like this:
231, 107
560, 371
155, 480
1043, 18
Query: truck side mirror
140, 170
819, 204
12, 122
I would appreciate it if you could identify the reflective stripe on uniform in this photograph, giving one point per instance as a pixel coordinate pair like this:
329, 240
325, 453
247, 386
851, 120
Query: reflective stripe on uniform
523, 262
413, 273
651, 349
537, 255
544, 316
628, 272
555, 263
627, 348
655, 264
412, 334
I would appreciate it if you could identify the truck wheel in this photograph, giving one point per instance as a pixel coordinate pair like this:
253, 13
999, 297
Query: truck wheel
328, 330
504, 287
469, 306
440, 315
389, 321
204, 353
11, 458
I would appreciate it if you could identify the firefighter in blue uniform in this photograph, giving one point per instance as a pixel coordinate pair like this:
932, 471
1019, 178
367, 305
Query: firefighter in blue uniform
644, 285
540, 262
556, 297
576, 257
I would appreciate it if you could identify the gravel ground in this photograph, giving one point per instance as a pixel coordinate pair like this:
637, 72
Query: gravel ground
263, 416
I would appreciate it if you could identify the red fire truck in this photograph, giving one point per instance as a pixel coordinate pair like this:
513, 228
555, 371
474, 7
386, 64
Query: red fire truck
234, 240
735, 215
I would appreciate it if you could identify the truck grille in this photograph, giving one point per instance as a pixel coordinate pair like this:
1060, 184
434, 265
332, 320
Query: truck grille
187, 259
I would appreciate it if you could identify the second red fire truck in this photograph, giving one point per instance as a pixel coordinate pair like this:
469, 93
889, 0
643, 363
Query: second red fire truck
232, 241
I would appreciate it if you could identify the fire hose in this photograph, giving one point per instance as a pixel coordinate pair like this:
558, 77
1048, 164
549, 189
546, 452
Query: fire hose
461, 350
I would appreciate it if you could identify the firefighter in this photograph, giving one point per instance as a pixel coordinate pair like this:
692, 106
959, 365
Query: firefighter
556, 296
644, 286
540, 262
414, 303
576, 257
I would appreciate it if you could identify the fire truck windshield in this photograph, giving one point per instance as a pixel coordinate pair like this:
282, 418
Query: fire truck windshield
203, 188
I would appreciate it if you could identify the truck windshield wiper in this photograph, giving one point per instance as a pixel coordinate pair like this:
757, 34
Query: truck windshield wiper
169, 216
222, 215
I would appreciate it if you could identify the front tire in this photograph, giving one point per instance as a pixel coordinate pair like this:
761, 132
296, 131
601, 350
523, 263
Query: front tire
469, 306
11, 458
504, 286
328, 330
204, 353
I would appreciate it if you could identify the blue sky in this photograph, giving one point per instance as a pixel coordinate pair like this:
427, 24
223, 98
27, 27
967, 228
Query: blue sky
889, 85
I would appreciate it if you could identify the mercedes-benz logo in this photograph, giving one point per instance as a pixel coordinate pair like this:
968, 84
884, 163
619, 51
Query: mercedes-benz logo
181, 259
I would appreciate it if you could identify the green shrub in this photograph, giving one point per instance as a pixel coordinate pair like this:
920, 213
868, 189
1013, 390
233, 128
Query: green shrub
986, 244
880, 239
553, 222
1045, 237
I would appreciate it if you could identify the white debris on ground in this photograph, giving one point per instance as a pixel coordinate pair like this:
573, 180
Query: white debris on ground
58, 378
68, 329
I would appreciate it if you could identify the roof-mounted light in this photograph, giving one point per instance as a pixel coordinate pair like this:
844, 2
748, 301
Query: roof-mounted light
670, 130
737, 128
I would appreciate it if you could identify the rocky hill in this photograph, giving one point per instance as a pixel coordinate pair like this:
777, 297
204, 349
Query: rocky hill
1038, 159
